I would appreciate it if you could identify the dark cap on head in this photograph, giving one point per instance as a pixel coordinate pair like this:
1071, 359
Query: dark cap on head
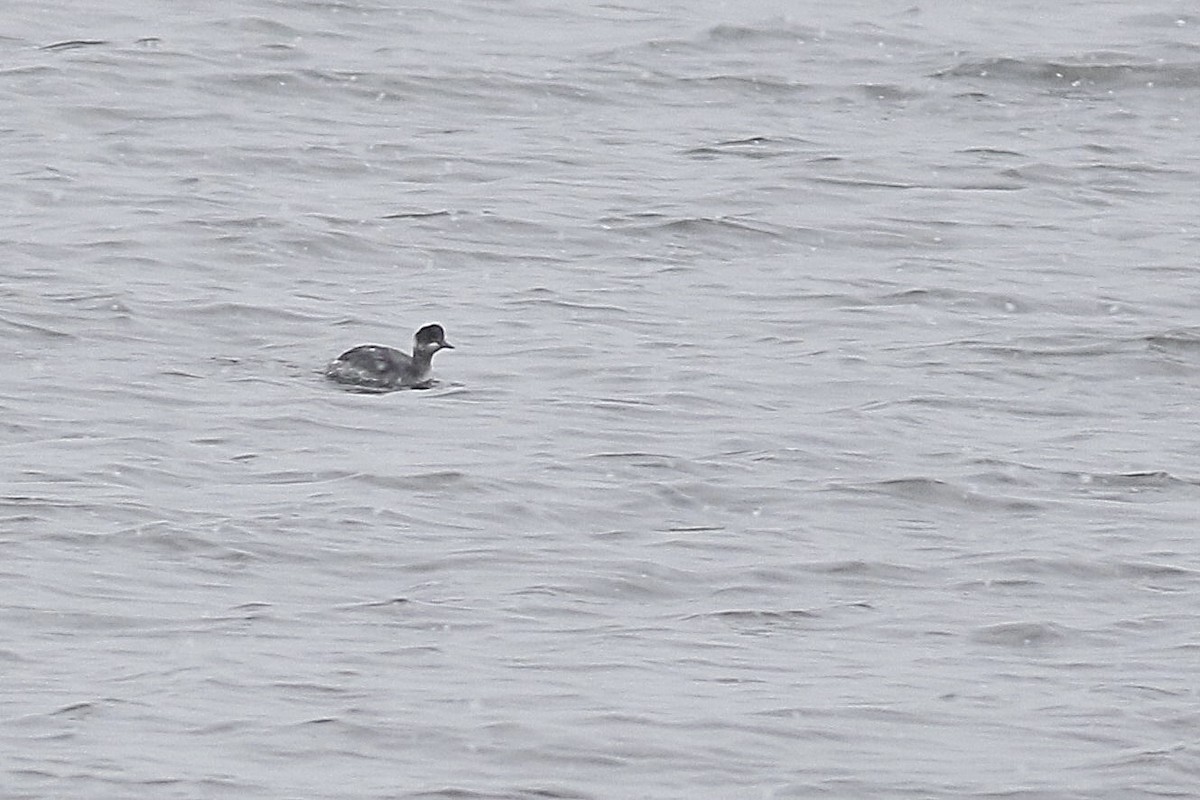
433, 334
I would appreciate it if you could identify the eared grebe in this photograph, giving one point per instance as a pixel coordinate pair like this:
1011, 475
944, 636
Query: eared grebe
377, 367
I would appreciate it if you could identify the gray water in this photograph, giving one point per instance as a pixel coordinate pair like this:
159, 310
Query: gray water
822, 423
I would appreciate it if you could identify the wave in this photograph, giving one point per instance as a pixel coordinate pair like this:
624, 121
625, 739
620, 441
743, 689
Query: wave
1095, 73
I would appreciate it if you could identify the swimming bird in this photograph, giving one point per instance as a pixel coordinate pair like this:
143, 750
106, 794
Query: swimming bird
374, 366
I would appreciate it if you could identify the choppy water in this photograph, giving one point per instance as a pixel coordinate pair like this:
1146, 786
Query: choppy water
823, 420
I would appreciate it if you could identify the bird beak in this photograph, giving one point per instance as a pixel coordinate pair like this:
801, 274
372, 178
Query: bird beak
447, 346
